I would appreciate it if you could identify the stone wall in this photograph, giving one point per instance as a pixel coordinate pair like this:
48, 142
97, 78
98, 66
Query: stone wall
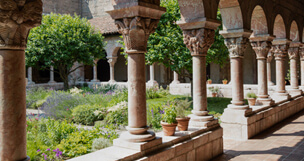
62, 6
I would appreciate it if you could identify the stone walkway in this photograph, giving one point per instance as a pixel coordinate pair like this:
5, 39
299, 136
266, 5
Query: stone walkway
283, 142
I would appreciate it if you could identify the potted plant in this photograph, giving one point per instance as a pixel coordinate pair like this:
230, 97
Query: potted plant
214, 91
209, 81
182, 119
169, 122
251, 98
225, 81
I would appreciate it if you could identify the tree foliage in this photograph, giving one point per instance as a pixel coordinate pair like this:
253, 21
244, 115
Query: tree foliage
166, 45
61, 41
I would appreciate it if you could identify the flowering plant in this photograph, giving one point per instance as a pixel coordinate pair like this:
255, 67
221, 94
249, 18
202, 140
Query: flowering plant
49, 155
75, 91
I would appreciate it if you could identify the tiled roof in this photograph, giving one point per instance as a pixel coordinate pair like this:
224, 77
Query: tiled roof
105, 24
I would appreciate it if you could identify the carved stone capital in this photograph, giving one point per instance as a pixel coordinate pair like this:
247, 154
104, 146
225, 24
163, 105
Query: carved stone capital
112, 60
293, 52
280, 51
261, 48
17, 17
198, 41
236, 46
136, 32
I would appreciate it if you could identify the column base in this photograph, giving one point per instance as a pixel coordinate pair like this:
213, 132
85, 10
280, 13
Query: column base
270, 83
52, 82
112, 81
232, 115
95, 81
265, 101
280, 97
295, 92
137, 138
31, 83
139, 146
301, 88
151, 84
202, 121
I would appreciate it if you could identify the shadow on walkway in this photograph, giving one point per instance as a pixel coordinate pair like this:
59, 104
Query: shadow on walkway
284, 141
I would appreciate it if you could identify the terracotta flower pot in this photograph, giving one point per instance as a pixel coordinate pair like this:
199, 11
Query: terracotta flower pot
168, 129
251, 101
182, 123
209, 81
214, 94
225, 81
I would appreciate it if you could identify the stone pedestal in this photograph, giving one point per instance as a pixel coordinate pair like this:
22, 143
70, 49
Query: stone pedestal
136, 21
293, 52
269, 59
30, 76
95, 79
198, 41
52, 81
280, 48
112, 61
152, 82
261, 44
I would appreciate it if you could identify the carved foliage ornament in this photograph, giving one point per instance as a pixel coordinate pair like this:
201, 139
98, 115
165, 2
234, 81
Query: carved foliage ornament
236, 46
280, 51
301, 53
136, 32
198, 41
17, 17
293, 52
261, 48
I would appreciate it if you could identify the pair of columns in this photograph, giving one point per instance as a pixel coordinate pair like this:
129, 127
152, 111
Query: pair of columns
111, 61
30, 76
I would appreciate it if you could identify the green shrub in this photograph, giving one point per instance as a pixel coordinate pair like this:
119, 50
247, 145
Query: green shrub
35, 97
120, 95
118, 115
80, 142
154, 116
88, 114
100, 143
181, 106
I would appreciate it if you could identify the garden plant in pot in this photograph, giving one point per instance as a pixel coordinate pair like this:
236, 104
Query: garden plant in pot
169, 122
209, 81
251, 97
182, 120
225, 81
214, 91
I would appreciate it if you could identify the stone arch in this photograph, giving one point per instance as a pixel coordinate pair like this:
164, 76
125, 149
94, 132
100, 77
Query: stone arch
115, 51
231, 14
279, 29
294, 31
259, 21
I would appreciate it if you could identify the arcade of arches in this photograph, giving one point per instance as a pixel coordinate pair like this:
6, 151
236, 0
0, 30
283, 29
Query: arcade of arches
271, 28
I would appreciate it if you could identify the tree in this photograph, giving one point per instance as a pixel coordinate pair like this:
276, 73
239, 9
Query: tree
166, 45
61, 41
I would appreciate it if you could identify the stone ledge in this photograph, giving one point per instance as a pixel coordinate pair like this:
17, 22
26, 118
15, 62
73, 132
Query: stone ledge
260, 119
187, 145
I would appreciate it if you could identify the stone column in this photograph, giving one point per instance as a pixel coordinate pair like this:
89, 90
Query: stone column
234, 118
52, 81
269, 59
261, 45
95, 79
30, 76
301, 54
280, 48
136, 27
293, 52
12, 76
112, 61
152, 82
198, 41
175, 78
